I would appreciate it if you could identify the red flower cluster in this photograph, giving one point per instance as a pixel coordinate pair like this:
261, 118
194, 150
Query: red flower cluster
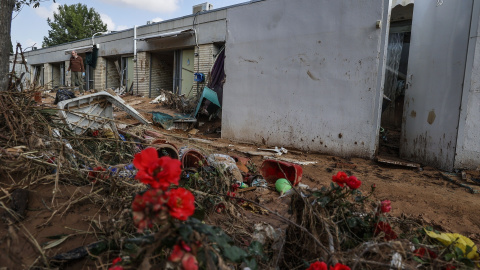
148, 207
386, 206
157, 172
183, 253
323, 266
422, 251
114, 266
160, 201
342, 178
386, 229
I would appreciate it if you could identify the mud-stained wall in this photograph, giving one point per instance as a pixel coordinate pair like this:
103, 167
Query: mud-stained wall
141, 74
162, 72
306, 74
468, 139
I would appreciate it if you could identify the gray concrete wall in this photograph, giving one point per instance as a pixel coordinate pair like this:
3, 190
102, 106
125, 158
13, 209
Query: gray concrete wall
468, 139
306, 74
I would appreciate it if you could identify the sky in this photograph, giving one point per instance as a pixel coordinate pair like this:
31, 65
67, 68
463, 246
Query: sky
29, 26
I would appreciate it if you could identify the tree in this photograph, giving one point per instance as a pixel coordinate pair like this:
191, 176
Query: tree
73, 22
6, 9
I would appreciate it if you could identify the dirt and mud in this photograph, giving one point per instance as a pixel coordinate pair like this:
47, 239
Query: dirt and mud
421, 195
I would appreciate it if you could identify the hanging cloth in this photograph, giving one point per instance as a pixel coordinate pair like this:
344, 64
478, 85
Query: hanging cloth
91, 57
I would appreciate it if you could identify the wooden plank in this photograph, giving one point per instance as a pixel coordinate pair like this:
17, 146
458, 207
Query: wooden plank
118, 68
399, 162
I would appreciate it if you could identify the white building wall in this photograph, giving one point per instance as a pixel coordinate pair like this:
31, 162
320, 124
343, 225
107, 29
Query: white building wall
306, 74
468, 140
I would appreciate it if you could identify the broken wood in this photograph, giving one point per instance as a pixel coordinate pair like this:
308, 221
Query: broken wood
398, 162
118, 68
246, 189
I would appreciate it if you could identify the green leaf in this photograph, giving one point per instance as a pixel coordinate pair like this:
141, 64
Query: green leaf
415, 241
459, 251
131, 247
58, 236
468, 250
358, 198
256, 249
252, 264
468, 262
324, 201
234, 254
417, 259
54, 243
449, 257
185, 232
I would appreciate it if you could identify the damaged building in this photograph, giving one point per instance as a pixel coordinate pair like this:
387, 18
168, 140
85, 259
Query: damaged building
308, 74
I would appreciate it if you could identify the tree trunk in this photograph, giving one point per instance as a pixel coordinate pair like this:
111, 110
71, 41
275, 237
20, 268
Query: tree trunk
6, 9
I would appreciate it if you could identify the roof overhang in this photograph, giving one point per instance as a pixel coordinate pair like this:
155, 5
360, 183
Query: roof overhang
80, 49
169, 34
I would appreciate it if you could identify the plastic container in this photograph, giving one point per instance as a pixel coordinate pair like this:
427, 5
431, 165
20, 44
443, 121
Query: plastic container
272, 170
192, 158
165, 148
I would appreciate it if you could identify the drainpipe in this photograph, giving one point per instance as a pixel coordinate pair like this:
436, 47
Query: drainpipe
135, 52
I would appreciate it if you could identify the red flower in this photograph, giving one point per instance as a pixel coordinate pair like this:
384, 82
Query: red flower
147, 206
385, 206
318, 266
220, 207
116, 267
450, 267
181, 203
340, 178
353, 182
386, 229
339, 266
189, 262
177, 254
157, 172
96, 173
421, 253
116, 260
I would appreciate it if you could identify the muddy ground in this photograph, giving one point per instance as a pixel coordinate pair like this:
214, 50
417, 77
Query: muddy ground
421, 195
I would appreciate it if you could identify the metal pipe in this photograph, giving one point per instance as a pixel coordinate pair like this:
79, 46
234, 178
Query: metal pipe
150, 79
93, 37
135, 43
135, 52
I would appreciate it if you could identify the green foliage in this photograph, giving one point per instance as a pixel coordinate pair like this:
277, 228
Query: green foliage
34, 3
344, 206
73, 22
220, 244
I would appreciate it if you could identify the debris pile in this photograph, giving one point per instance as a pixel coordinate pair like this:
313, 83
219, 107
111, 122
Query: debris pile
162, 202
